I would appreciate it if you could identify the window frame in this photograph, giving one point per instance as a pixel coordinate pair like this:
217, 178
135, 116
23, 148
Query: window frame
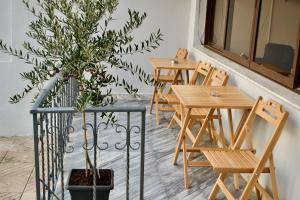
292, 81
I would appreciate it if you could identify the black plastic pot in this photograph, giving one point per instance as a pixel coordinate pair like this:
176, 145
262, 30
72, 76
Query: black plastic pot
79, 192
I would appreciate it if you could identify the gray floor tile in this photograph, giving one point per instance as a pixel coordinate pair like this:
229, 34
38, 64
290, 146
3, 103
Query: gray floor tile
14, 176
10, 195
2, 155
19, 157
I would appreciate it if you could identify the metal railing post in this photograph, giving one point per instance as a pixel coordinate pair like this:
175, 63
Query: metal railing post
61, 153
142, 155
127, 155
95, 157
36, 155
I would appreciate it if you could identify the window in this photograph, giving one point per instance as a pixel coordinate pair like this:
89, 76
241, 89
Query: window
238, 36
262, 35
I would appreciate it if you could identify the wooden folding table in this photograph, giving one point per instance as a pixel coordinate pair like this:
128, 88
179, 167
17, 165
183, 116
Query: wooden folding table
167, 64
210, 98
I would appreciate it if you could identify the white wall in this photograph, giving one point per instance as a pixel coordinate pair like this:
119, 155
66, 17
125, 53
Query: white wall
170, 15
14, 119
286, 153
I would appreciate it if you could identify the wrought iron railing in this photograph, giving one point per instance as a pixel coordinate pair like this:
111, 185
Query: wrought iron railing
52, 127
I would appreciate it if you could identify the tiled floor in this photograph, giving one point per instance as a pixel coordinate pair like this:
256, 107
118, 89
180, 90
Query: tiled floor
16, 168
163, 181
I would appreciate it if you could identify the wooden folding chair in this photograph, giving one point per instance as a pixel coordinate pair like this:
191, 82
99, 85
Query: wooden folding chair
218, 78
170, 77
238, 160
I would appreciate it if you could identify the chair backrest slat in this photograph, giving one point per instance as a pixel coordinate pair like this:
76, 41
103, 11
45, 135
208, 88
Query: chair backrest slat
273, 113
219, 77
181, 53
203, 69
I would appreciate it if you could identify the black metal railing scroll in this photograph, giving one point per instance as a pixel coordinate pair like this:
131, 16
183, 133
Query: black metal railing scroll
53, 124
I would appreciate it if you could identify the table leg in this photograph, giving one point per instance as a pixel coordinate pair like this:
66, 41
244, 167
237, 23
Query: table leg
172, 121
212, 128
155, 73
157, 108
211, 132
182, 111
249, 135
185, 165
175, 81
222, 136
187, 77
202, 130
152, 99
230, 125
181, 136
157, 99
236, 180
241, 124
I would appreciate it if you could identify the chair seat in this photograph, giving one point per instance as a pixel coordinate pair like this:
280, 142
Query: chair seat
232, 161
171, 98
167, 78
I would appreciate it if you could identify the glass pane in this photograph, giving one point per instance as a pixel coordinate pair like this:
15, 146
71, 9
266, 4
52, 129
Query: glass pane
240, 18
277, 34
219, 24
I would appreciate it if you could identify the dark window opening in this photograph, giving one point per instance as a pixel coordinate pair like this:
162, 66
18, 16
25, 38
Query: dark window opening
262, 35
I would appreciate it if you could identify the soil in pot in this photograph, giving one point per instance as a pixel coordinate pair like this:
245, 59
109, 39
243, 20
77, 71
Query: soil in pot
80, 186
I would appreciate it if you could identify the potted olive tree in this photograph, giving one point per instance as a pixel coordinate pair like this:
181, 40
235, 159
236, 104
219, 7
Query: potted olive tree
73, 38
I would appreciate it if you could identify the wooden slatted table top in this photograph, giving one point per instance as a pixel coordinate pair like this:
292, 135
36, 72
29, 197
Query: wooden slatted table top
195, 96
166, 63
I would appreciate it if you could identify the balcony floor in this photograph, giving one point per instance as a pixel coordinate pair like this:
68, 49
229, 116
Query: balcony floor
16, 168
162, 179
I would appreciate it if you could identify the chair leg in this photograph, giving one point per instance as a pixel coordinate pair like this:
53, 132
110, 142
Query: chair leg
157, 108
172, 122
181, 136
200, 122
178, 147
221, 129
274, 183
250, 185
191, 123
213, 129
170, 90
211, 137
216, 187
152, 99
181, 78
177, 138
258, 195
236, 181
185, 166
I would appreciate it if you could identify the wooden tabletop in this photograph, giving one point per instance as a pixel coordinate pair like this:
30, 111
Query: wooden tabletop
165, 63
195, 96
